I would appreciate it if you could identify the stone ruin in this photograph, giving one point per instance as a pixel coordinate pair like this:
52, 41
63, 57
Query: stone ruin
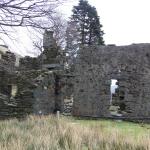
96, 66
42, 85
30, 89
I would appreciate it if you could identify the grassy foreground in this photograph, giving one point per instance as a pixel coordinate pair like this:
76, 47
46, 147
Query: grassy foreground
48, 133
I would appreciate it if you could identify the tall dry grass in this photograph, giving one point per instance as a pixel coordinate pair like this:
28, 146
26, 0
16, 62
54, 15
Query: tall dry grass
48, 133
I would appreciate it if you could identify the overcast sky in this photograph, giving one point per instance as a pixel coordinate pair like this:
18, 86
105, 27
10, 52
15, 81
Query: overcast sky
124, 22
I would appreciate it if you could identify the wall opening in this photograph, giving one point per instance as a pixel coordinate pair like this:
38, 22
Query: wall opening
113, 88
114, 99
117, 104
14, 90
57, 94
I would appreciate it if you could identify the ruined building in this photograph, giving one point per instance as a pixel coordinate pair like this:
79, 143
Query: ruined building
28, 88
42, 86
96, 66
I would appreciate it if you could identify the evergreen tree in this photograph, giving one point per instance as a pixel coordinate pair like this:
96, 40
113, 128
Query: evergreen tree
87, 23
84, 28
94, 34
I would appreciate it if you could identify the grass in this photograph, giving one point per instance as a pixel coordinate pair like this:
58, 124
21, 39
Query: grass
48, 133
132, 129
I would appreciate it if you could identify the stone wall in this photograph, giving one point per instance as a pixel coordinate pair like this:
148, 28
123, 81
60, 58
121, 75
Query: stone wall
95, 68
51, 50
7, 62
36, 92
29, 63
36, 86
46, 91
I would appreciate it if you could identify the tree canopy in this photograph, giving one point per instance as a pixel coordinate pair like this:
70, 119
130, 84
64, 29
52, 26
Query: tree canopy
87, 22
84, 28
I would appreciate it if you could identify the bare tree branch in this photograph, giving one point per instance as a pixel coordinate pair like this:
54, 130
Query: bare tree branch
14, 13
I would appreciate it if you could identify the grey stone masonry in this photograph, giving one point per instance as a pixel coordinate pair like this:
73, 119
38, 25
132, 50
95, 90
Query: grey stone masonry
96, 66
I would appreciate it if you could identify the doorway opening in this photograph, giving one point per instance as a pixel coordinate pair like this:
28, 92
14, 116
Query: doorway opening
117, 104
115, 98
113, 88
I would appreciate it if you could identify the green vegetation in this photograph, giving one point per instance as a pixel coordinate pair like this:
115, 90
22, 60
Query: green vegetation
128, 128
67, 133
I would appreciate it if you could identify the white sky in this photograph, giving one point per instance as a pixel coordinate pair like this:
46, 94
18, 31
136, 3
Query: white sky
113, 85
124, 22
